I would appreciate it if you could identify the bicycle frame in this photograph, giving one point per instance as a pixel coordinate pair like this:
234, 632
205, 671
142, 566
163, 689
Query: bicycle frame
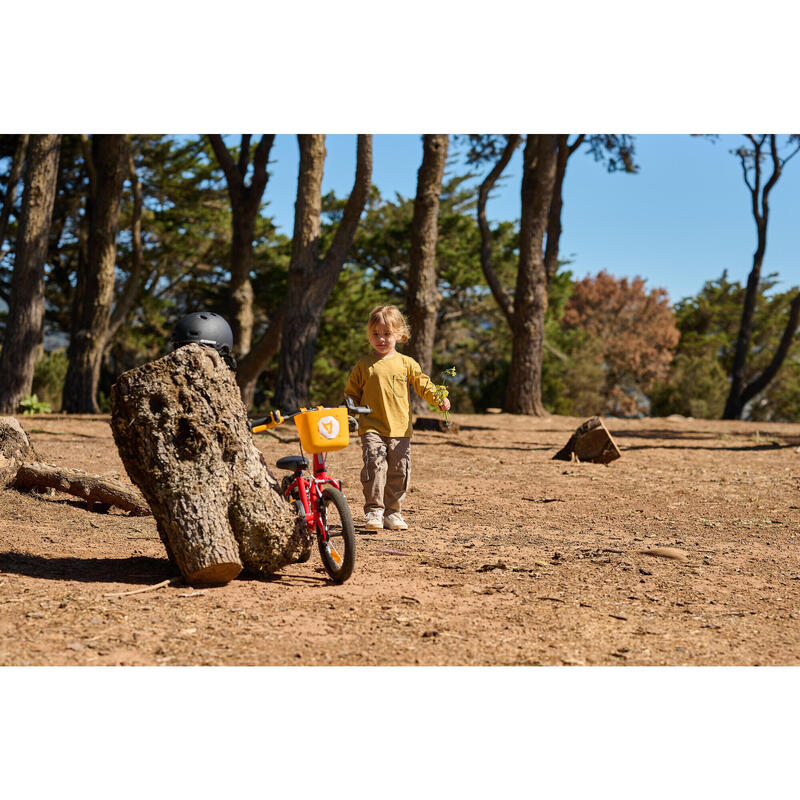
309, 493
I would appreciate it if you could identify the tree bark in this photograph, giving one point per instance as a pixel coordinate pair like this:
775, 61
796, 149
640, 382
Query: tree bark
14, 175
311, 277
245, 204
24, 323
94, 293
524, 391
15, 448
181, 430
423, 296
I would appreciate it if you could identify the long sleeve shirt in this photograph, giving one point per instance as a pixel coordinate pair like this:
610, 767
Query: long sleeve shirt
383, 385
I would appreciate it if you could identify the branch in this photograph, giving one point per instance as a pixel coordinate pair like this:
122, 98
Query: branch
226, 162
502, 297
576, 144
254, 363
354, 207
260, 162
92, 488
244, 155
773, 179
743, 158
168, 582
758, 384
791, 155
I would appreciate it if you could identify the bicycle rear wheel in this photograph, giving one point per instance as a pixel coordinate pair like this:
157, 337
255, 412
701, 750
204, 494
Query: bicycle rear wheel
339, 551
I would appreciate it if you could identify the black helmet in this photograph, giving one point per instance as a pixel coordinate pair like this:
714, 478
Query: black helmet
204, 327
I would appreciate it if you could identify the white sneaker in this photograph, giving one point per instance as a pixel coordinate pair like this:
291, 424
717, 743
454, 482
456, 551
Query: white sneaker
395, 522
373, 520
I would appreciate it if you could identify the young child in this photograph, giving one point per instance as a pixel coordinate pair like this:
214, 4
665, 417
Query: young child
381, 381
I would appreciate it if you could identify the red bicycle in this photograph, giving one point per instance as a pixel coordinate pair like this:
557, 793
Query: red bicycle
319, 496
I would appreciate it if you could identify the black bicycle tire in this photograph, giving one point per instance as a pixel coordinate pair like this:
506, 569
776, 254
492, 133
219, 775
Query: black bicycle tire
339, 574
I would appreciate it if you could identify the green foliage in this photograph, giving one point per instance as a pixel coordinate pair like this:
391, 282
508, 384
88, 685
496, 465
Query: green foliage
698, 382
31, 404
697, 387
48, 378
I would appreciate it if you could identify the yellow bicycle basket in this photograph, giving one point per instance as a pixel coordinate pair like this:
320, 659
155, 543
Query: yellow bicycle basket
323, 429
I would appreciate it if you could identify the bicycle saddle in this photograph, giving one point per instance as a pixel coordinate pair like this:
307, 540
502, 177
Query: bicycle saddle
293, 463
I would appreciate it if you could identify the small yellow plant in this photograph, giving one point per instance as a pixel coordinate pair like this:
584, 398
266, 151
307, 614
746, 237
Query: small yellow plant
442, 392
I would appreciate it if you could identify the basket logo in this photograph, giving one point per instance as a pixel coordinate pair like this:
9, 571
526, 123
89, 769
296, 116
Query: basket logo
328, 427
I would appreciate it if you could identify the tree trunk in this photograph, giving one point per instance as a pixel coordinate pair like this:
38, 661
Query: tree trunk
311, 278
130, 291
565, 150
14, 175
524, 391
24, 323
181, 430
501, 296
423, 297
740, 393
94, 293
260, 354
245, 204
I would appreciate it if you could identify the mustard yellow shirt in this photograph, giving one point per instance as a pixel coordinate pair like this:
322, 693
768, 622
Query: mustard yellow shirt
383, 385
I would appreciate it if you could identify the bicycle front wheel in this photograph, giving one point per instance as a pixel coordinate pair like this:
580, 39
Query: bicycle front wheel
338, 551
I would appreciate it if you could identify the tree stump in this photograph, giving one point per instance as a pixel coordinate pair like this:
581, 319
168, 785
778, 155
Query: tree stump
590, 442
181, 430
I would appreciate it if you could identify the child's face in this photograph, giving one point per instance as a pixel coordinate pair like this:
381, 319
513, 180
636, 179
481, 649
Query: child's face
382, 339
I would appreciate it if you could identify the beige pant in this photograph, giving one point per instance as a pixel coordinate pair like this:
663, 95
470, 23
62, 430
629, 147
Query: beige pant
386, 472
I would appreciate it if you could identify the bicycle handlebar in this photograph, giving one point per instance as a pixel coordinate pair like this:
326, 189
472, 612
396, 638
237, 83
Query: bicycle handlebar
276, 418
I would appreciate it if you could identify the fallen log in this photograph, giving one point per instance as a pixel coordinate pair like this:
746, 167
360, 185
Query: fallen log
99, 493
16, 472
181, 431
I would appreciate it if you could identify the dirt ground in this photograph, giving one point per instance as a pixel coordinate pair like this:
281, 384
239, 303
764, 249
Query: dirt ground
512, 558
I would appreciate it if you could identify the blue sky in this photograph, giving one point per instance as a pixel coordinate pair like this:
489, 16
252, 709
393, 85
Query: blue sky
680, 221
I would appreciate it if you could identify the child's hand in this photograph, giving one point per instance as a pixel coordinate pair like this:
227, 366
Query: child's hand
445, 405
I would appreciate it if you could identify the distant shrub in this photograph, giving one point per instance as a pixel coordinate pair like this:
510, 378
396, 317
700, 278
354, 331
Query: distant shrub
33, 405
48, 378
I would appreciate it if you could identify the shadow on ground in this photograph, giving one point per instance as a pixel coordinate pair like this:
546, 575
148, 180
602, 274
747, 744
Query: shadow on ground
138, 570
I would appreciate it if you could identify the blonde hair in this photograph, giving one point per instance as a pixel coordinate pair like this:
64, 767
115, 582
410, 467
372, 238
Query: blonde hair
391, 317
